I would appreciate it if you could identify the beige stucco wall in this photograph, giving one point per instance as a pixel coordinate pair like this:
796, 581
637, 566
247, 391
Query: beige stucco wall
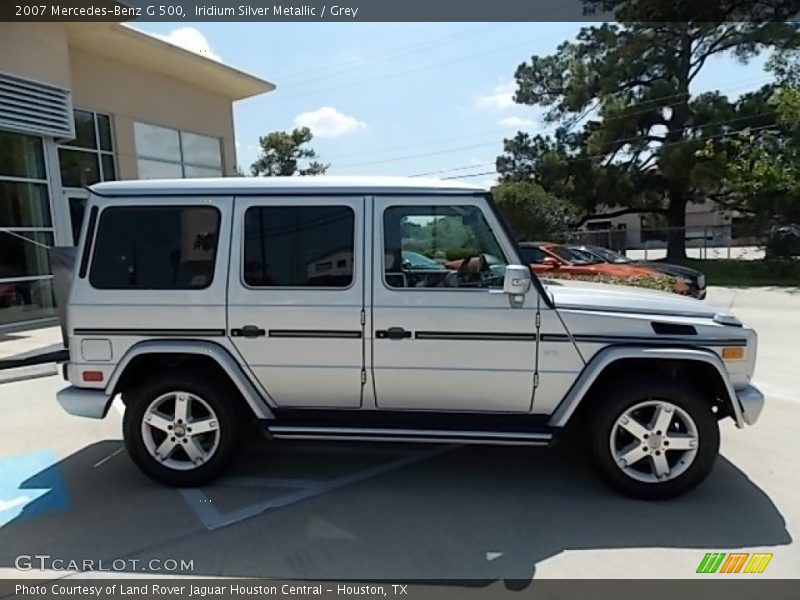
35, 51
131, 94
41, 51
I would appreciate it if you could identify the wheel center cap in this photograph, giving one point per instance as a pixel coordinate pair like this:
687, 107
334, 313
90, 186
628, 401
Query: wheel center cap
654, 441
180, 430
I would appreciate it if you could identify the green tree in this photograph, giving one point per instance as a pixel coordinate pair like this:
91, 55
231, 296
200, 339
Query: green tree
630, 127
761, 177
532, 212
284, 153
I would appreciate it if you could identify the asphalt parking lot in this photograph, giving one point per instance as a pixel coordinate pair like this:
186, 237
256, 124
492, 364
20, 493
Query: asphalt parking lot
366, 511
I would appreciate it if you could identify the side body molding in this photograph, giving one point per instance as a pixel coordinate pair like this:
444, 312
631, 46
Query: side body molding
222, 357
605, 357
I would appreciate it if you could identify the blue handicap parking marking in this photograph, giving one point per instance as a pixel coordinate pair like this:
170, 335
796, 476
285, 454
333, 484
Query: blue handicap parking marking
31, 485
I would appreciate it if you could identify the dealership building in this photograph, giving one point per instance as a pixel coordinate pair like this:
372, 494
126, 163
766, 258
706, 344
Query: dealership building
82, 103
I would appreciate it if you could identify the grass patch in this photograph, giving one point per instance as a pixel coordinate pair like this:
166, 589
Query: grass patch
747, 273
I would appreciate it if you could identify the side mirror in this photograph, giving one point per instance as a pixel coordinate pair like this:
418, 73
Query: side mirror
517, 280
549, 261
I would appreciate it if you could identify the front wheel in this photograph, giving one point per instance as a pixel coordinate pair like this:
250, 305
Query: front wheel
181, 429
654, 438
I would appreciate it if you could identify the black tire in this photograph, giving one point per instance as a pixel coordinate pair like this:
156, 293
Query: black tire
219, 395
616, 399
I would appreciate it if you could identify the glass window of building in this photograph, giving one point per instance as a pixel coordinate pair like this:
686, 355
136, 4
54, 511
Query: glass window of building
26, 230
89, 157
164, 153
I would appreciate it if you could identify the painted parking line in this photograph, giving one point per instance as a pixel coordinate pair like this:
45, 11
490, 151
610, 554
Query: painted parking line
299, 489
31, 485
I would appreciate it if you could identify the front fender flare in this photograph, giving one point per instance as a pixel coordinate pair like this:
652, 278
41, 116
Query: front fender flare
607, 356
222, 357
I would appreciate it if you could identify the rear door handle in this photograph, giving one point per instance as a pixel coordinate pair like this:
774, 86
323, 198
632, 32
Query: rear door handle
393, 333
248, 331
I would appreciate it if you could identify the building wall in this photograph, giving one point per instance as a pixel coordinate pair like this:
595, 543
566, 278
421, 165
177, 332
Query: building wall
41, 198
131, 94
36, 51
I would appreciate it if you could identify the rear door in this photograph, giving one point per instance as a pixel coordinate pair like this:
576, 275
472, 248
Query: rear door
296, 297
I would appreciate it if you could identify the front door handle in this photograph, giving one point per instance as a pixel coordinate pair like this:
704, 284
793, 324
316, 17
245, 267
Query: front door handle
248, 331
393, 333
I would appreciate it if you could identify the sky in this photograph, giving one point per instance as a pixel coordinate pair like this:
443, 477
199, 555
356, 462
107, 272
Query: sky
397, 98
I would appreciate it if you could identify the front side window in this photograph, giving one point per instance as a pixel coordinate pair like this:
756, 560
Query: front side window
531, 254
299, 246
440, 247
155, 248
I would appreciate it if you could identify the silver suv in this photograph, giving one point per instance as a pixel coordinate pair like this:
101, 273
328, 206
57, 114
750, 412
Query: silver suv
379, 309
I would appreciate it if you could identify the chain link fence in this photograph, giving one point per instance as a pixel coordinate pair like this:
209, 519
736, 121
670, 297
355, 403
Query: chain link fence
734, 241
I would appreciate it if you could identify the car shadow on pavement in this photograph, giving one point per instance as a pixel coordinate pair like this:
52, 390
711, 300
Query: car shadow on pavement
466, 513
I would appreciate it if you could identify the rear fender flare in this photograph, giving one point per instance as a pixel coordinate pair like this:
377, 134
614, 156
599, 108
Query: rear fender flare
253, 397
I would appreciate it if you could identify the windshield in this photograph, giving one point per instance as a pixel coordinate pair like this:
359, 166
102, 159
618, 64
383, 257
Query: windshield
608, 255
571, 256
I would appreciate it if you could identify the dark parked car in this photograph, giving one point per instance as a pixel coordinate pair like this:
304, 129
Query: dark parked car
693, 278
782, 241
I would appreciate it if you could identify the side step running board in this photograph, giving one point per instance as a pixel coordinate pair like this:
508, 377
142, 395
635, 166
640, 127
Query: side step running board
410, 435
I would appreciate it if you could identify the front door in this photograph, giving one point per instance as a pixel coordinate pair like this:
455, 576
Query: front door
444, 336
296, 298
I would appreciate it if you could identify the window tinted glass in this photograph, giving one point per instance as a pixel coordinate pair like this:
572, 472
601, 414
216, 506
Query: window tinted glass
78, 169
201, 150
531, 255
104, 132
25, 254
155, 248
21, 156
84, 130
154, 169
440, 246
156, 142
299, 246
24, 204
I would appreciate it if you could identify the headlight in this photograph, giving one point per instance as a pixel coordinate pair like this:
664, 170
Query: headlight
701, 281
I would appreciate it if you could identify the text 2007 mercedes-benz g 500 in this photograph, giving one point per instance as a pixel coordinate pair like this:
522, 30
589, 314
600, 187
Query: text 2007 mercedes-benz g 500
379, 309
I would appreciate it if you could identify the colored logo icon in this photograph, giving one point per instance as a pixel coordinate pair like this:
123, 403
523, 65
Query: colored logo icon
734, 562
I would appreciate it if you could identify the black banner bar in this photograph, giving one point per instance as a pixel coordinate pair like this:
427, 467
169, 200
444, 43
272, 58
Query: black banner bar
400, 10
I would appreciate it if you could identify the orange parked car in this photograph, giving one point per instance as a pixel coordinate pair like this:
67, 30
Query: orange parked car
547, 258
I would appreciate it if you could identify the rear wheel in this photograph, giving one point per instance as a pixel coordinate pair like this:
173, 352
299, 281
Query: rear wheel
654, 438
182, 428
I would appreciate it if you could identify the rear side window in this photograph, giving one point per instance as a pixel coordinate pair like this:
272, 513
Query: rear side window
299, 246
155, 248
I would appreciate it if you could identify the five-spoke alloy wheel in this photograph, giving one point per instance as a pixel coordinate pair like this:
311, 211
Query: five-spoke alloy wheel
181, 428
653, 438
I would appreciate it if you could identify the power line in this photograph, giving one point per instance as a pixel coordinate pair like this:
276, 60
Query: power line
472, 146
416, 69
626, 115
596, 156
310, 75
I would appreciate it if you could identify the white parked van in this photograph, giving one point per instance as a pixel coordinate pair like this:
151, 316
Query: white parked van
379, 309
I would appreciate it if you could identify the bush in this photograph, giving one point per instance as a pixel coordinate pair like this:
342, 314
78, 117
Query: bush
663, 283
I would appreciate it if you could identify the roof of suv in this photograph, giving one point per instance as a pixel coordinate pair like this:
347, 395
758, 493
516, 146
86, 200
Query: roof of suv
289, 185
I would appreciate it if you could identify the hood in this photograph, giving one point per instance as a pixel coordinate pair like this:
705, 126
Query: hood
617, 298
626, 270
670, 268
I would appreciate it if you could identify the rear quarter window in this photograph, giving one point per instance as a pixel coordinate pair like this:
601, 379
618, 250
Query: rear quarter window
155, 248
